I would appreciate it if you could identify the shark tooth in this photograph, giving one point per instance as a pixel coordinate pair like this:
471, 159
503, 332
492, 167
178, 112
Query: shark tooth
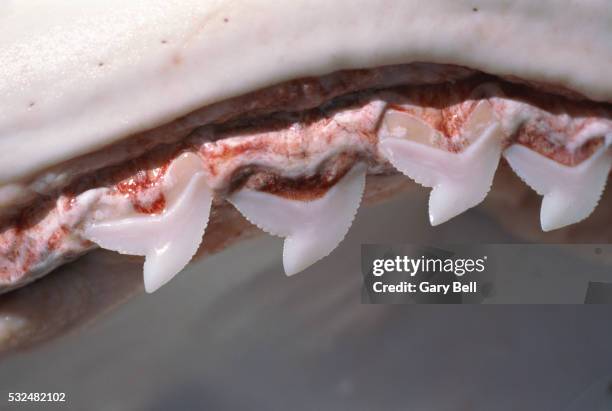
459, 180
168, 240
570, 193
312, 229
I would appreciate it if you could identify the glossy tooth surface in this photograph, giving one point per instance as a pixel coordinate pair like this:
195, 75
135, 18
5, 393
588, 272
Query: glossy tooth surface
570, 193
312, 229
168, 240
459, 180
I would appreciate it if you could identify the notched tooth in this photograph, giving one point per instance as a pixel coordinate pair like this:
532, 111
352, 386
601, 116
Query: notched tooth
168, 240
570, 193
459, 180
312, 229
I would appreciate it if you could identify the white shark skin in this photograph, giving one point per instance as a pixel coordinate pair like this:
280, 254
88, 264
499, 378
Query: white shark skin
312, 229
79, 75
168, 240
570, 193
459, 180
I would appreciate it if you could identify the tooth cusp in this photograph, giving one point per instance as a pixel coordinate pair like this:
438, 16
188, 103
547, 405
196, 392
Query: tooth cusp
312, 229
168, 240
570, 194
181, 235
459, 180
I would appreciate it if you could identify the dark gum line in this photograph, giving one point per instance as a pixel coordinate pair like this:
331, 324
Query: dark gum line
305, 188
113, 175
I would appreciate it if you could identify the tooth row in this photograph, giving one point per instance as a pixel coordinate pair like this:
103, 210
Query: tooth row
313, 229
462, 180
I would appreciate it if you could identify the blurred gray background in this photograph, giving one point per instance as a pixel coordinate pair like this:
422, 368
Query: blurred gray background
232, 332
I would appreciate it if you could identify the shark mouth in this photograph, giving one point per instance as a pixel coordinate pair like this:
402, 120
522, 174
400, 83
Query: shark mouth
293, 160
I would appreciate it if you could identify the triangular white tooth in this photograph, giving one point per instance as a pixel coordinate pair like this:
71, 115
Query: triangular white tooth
312, 229
168, 240
181, 232
570, 193
459, 180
